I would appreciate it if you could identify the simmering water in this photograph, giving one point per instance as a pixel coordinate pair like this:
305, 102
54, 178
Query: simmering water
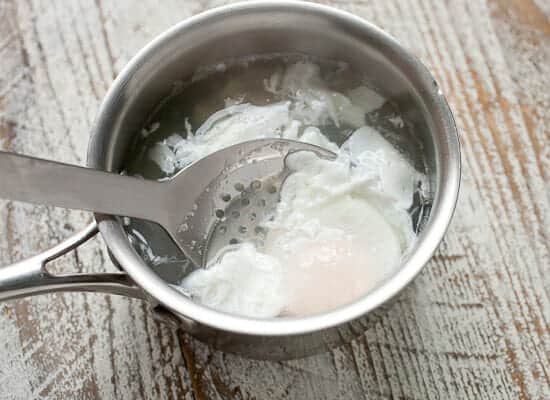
248, 81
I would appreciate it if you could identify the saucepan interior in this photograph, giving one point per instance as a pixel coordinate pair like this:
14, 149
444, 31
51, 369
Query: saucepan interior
266, 28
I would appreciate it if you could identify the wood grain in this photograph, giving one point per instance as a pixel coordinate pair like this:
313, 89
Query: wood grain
475, 324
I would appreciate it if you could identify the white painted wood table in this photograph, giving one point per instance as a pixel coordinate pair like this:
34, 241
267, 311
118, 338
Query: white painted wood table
474, 325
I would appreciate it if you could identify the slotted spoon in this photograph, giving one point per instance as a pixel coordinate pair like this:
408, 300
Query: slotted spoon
218, 200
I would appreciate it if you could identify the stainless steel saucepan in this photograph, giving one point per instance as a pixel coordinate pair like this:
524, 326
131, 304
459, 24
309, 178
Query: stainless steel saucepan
237, 30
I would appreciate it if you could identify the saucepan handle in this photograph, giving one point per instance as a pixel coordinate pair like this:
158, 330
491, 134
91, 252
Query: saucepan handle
30, 277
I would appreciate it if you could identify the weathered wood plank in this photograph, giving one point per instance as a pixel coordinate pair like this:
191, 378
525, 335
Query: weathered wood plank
473, 325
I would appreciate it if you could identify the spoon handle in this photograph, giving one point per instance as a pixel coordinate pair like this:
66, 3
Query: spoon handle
39, 181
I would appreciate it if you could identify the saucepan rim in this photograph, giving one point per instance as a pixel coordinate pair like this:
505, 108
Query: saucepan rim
447, 175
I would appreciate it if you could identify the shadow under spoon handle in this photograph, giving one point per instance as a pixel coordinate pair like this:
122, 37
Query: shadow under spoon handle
39, 181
